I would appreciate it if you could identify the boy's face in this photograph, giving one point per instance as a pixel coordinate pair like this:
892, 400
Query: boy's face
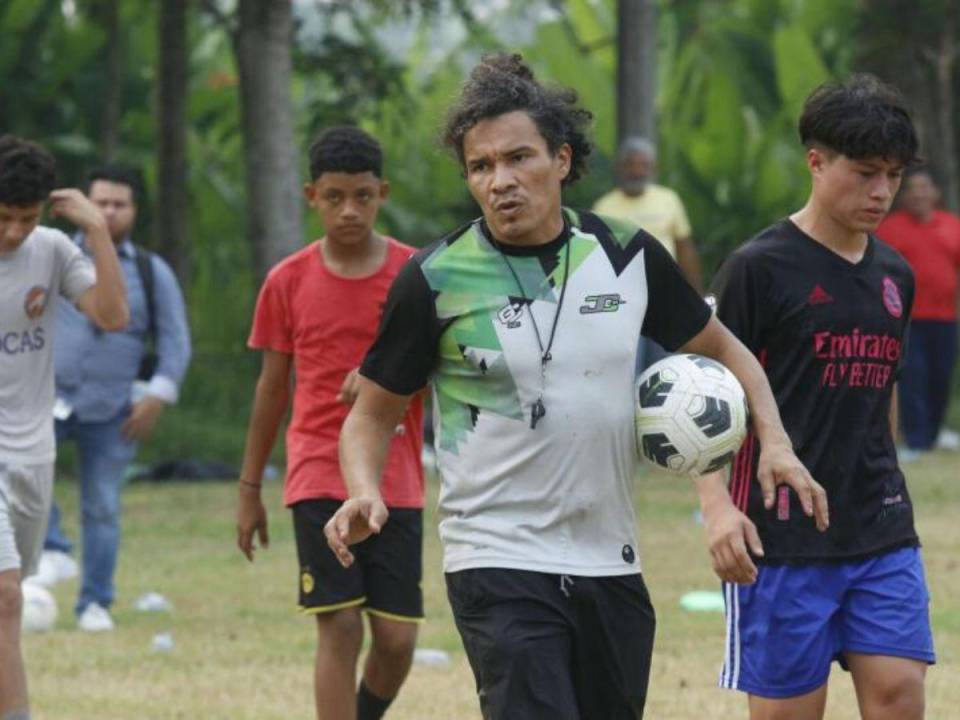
856, 194
16, 223
514, 177
347, 203
115, 201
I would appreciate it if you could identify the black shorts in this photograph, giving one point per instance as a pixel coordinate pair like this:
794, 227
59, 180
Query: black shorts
385, 578
555, 647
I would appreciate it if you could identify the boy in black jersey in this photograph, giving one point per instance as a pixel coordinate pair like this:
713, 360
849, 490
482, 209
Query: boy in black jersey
825, 307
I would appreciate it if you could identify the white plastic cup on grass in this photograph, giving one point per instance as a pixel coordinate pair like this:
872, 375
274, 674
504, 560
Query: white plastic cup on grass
162, 642
431, 657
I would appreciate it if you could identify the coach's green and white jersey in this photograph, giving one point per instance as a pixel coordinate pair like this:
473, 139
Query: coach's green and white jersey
465, 315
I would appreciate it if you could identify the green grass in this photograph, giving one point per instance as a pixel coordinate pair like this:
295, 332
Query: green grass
241, 650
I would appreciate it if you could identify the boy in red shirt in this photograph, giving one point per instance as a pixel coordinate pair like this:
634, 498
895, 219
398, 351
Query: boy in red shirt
317, 314
929, 240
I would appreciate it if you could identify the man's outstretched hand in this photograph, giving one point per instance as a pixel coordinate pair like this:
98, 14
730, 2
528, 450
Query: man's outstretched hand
355, 521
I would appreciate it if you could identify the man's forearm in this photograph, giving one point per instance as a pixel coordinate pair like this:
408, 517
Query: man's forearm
269, 406
110, 292
364, 443
712, 491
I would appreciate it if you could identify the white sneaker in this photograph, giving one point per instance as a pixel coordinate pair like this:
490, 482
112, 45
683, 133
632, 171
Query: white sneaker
54, 567
95, 618
948, 440
908, 455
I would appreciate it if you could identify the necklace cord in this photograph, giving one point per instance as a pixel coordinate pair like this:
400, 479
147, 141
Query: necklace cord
538, 410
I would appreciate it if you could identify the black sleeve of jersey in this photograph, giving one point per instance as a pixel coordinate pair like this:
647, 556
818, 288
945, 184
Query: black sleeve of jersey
739, 299
675, 311
403, 354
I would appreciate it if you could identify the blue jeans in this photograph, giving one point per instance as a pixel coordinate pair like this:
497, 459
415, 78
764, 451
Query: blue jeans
924, 383
104, 455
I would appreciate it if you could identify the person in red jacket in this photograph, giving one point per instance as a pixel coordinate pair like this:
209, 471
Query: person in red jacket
929, 240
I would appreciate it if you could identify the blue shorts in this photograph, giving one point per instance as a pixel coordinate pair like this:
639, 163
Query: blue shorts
785, 630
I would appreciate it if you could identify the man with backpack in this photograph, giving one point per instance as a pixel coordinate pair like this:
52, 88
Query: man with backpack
111, 389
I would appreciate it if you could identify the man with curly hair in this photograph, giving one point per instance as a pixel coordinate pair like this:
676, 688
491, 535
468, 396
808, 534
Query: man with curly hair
525, 323
36, 264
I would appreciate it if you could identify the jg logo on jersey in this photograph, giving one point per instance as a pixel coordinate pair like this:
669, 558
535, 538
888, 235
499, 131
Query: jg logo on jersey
601, 303
510, 314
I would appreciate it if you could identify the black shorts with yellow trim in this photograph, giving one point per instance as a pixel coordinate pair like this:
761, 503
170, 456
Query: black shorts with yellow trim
385, 578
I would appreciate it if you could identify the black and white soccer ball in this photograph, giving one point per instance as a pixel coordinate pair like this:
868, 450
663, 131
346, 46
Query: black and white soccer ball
691, 415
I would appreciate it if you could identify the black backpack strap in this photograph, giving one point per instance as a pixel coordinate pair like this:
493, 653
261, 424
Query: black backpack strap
144, 260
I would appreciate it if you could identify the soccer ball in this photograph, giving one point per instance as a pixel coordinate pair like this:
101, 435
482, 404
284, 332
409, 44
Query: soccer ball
39, 608
691, 415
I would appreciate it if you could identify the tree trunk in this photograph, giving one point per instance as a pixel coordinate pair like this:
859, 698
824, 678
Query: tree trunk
172, 75
262, 45
636, 68
113, 61
946, 146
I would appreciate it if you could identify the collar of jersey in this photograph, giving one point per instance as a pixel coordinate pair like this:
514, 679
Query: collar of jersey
549, 248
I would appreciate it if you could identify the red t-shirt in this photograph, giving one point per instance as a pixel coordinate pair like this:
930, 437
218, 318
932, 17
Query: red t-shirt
327, 322
933, 251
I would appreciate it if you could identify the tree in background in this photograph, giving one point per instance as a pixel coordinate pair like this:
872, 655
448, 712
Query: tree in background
217, 96
262, 37
173, 209
734, 76
914, 46
106, 13
636, 69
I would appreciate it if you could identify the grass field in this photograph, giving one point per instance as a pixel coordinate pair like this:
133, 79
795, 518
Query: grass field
242, 652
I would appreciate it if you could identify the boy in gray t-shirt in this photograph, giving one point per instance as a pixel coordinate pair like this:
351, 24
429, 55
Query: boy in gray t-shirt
36, 263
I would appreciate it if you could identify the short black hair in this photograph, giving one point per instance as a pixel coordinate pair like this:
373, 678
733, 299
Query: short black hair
27, 172
860, 118
502, 83
121, 175
345, 149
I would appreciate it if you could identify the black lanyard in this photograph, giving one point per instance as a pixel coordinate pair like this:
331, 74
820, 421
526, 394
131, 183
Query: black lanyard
538, 409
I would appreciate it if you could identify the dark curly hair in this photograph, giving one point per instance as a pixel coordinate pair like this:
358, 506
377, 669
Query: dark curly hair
27, 172
502, 83
860, 118
345, 149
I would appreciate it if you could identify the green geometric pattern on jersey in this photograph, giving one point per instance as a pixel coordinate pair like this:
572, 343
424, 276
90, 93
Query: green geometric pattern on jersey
471, 284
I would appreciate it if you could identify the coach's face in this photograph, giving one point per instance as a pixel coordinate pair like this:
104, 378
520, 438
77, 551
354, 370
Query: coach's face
515, 178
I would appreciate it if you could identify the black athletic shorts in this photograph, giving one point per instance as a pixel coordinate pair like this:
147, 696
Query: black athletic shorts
555, 647
385, 578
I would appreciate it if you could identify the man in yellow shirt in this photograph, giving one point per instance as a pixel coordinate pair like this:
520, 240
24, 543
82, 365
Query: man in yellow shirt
656, 209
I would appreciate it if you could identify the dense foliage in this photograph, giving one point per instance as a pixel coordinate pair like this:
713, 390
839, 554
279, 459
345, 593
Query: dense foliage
732, 75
